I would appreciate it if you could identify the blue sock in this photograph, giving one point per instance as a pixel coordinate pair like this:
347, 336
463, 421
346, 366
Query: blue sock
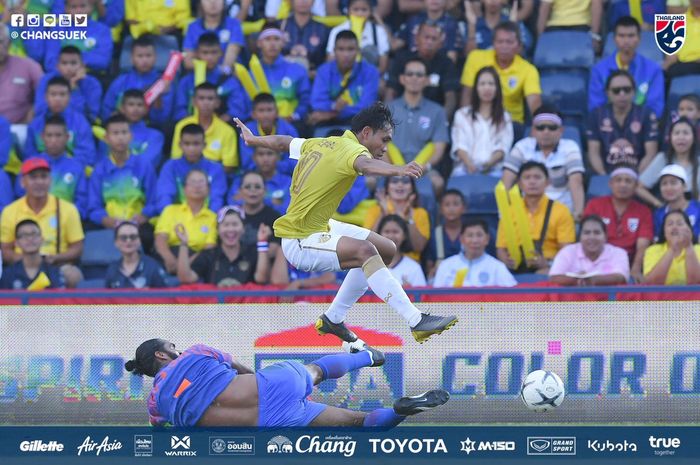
338, 365
382, 417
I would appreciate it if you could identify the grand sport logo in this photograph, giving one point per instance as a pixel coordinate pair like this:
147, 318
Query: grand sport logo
559, 445
231, 445
105, 445
38, 445
470, 446
611, 446
180, 447
410, 446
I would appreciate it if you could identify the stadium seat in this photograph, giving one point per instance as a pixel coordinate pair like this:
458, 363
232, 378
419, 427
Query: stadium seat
566, 90
681, 86
99, 251
427, 197
477, 190
164, 44
573, 133
91, 284
647, 47
564, 50
598, 186
529, 278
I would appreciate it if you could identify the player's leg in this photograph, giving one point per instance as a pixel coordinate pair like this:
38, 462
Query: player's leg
338, 365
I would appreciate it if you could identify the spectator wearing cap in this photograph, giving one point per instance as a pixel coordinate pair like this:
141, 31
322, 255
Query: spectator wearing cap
277, 185
171, 180
648, 75
157, 17
96, 48
443, 80
421, 122
58, 219
674, 260
591, 261
32, 272
133, 270
673, 180
562, 157
683, 151
520, 80
435, 11
288, 82
19, 81
81, 145
342, 86
193, 215
307, 38
629, 223
68, 181
620, 119
141, 76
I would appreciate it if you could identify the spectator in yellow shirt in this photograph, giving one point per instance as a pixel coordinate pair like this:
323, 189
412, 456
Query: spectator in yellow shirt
157, 16
687, 60
520, 80
193, 215
674, 260
575, 15
221, 139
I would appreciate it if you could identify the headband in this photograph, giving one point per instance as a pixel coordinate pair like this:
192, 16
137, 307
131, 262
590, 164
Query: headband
551, 117
270, 32
223, 211
624, 170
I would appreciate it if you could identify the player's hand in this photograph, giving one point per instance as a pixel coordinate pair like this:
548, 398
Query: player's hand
412, 169
246, 133
181, 234
264, 233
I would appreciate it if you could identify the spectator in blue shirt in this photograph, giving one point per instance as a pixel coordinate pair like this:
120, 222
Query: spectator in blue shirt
619, 8
81, 145
96, 47
172, 176
435, 10
6, 191
234, 99
289, 82
648, 75
276, 184
122, 187
214, 19
86, 93
306, 38
108, 12
68, 180
142, 76
265, 122
134, 270
481, 29
343, 86
6, 141
673, 184
146, 142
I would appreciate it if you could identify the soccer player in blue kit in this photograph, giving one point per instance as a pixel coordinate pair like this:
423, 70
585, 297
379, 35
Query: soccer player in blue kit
203, 386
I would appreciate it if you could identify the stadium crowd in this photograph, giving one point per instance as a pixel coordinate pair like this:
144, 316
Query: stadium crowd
95, 136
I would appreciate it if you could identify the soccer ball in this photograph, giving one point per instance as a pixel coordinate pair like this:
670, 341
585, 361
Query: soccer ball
542, 391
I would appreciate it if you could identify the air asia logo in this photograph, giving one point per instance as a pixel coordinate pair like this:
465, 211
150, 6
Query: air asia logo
561, 445
38, 445
280, 445
231, 445
470, 446
663, 446
410, 446
89, 445
609, 446
143, 445
180, 447
362, 389
669, 33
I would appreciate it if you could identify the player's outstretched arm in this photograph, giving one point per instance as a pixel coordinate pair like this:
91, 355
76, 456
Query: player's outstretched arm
374, 167
276, 143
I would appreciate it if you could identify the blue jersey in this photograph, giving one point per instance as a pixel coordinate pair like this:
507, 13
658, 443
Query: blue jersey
692, 210
186, 387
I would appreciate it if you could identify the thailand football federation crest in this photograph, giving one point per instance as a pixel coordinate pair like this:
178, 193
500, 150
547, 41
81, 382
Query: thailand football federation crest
669, 33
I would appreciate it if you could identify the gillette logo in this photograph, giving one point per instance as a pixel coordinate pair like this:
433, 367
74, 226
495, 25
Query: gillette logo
38, 445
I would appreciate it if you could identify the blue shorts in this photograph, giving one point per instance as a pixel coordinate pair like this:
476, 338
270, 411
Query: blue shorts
282, 391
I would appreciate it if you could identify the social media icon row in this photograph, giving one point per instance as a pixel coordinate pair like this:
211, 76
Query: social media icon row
49, 20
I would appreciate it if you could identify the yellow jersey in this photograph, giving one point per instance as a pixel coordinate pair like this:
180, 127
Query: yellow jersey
201, 228
220, 138
322, 177
676, 272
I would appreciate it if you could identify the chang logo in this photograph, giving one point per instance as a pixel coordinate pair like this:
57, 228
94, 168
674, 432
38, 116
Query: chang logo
280, 445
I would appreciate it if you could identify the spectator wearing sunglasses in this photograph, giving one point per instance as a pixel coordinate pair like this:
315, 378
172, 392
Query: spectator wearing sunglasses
134, 270
618, 119
562, 157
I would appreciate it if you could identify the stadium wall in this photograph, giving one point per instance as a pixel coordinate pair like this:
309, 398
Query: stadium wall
622, 362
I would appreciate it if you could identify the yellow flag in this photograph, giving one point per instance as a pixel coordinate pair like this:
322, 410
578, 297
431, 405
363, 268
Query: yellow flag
636, 10
459, 277
396, 157
425, 154
259, 74
246, 81
394, 154
40, 282
285, 9
518, 208
506, 222
200, 71
357, 26
252, 27
99, 132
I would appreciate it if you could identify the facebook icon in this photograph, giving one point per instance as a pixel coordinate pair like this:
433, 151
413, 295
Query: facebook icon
17, 20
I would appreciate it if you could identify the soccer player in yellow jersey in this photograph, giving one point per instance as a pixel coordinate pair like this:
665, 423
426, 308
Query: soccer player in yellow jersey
312, 241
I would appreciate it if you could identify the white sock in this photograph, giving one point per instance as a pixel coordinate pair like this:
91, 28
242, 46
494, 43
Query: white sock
353, 287
387, 288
